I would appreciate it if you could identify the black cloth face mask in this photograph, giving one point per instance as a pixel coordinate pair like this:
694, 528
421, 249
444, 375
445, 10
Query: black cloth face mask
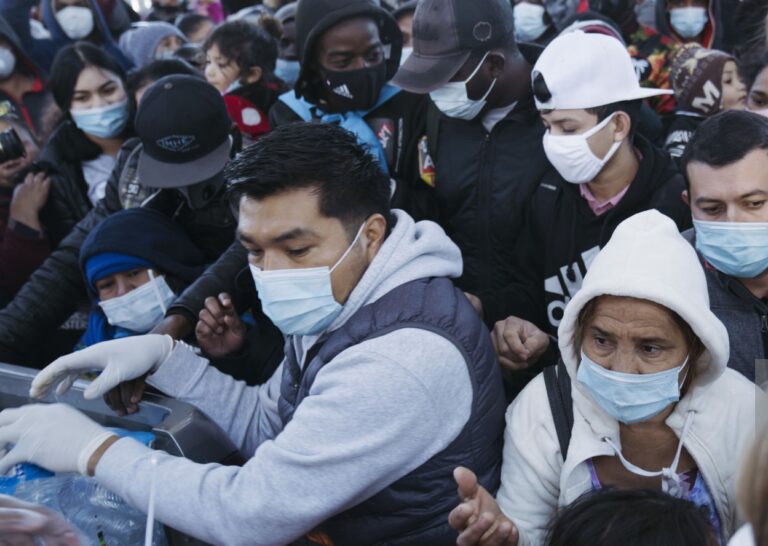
356, 89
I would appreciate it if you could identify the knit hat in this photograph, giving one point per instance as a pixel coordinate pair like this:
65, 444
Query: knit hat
139, 238
647, 258
696, 75
314, 17
141, 40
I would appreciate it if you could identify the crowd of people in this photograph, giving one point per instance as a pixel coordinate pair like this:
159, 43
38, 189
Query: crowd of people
471, 272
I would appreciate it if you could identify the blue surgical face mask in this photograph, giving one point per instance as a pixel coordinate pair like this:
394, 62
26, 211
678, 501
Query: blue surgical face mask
688, 22
103, 122
141, 309
627, 397
288, 71
738, 249
300, 302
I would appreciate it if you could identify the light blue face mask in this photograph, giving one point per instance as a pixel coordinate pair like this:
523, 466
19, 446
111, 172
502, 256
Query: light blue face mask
627, 397
300, 302
688, 22
104, 122
288, 71
738, 249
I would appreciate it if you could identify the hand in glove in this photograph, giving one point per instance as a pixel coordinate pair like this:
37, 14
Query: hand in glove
25, 524
118, 360
55, 436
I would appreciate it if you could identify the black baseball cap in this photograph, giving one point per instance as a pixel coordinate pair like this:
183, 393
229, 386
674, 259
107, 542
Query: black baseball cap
184, 129
446, 33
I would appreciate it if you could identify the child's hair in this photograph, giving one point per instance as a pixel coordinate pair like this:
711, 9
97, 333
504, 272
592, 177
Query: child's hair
189, 23
246, 44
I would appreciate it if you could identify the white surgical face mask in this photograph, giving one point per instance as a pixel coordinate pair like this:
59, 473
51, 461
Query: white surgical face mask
529, 21
405, 54
572, 156
453, 101
688, 22
75, 21
300, 301
141, 309
7, 62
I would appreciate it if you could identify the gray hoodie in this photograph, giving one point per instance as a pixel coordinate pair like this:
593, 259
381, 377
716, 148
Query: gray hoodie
376, 412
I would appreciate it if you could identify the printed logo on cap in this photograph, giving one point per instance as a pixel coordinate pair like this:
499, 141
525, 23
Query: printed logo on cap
178, 143
482, 31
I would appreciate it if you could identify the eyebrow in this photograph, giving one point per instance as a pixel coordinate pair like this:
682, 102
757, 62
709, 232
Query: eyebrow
754, 193
347, 53
295, 233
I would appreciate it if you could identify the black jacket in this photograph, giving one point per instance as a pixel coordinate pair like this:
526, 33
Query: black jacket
54, 290
562, 236
62, 158
483, 182
680, 131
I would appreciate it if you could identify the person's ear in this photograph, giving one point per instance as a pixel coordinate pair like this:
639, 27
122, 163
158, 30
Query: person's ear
623, 124
686, 197
374, 232
254, 75
495, 63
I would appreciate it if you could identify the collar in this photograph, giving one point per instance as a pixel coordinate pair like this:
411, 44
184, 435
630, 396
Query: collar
597, 207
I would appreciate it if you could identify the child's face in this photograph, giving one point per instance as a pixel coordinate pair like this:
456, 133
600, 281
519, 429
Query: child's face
220, 71
734, 90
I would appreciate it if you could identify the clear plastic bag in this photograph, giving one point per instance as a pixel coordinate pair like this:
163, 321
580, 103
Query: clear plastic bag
103, 518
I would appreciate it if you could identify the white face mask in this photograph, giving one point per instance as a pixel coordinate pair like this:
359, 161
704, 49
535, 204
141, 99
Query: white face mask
688, 22
141, 309
529, 21
572, 156
7, 62
75, 21
406, 53
453, 101
763, 112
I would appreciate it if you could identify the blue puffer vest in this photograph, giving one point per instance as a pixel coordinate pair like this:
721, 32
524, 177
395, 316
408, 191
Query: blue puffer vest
414, 509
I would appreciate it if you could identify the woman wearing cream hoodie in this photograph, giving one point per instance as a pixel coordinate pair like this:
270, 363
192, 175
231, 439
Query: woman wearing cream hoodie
654, 404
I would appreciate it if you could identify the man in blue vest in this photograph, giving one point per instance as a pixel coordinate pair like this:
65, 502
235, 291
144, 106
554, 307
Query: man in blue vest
389, 380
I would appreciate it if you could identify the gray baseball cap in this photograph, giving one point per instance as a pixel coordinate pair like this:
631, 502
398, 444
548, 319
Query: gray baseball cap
446, 33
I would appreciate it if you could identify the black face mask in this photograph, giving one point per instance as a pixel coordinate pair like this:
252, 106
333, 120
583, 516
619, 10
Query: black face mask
356, 89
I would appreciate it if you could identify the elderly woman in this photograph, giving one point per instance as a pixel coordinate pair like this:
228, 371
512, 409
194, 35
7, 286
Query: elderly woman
654, 406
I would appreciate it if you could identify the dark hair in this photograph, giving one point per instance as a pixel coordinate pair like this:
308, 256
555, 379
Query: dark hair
349, 182
630, 107
631, 518
246, 44
70, 61
726, 138
157, 69
189, 23
750, 68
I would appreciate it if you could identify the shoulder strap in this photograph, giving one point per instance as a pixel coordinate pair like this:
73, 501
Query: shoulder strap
300, 107
560, 403
433, 129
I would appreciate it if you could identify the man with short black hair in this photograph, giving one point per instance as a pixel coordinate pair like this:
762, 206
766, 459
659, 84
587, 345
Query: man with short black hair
589, 98
726, 167
389, 379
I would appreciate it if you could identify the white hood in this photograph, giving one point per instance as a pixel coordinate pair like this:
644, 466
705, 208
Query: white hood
648, 258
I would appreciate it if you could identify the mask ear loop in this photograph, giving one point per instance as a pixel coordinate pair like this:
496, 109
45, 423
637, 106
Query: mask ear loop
157, 291
349, 248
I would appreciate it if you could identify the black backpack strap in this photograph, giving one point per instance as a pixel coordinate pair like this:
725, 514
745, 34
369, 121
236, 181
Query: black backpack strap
558, 384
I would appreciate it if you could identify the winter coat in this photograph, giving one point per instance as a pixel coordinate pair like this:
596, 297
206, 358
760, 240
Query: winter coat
562, 236
647, 258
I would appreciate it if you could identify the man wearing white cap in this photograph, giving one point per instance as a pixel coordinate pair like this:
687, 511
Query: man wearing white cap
589, 99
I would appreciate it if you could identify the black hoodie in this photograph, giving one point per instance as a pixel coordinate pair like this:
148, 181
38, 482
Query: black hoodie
562, 236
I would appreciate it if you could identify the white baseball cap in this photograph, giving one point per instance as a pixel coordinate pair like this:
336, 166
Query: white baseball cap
583, 70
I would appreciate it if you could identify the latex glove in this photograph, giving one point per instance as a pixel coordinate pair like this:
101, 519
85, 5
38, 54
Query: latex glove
25, 524
118, 360
55, 436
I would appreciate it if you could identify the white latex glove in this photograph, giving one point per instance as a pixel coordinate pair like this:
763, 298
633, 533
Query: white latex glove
55, 436
25, 524
118, 360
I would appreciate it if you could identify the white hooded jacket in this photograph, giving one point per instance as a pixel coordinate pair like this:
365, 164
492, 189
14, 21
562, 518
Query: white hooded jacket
648, 259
